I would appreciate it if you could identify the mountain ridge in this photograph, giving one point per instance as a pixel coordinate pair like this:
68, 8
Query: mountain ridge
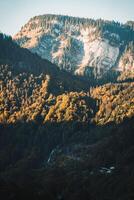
62, 136
79, 45
34, 89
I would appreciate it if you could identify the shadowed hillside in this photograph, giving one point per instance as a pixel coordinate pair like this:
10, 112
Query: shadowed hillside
62, 137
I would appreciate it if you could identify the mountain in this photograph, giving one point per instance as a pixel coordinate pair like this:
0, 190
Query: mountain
81, 46
63, 136
34, 89
22, 60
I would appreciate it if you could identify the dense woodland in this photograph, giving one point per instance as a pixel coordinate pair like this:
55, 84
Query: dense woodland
62, 136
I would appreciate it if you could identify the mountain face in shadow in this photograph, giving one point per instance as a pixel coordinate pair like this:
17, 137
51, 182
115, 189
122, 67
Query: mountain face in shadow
63, 136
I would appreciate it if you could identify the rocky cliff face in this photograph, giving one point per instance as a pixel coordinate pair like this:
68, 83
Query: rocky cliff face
81, 46
127, 59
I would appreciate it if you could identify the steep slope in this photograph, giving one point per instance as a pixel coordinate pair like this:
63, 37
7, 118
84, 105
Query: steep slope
22, 60
127, 60
82, 46
32, 89
51, 146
